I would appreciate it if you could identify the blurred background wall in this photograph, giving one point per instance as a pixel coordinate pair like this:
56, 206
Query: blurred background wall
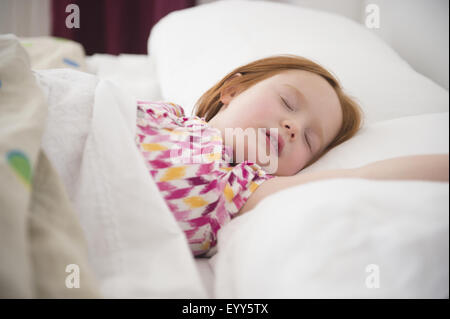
113, 26
25, 18
417, 29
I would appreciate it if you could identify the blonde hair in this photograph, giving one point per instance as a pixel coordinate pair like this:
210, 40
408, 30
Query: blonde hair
209, 103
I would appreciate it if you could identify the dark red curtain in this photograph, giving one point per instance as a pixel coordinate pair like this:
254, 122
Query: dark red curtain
113, 26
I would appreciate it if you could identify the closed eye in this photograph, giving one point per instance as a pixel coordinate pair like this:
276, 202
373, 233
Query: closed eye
287, 104
307, 141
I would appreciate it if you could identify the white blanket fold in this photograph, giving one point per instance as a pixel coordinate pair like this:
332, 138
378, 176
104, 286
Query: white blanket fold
135, 246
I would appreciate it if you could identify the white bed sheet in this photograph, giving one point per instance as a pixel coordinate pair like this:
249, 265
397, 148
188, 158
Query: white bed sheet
136, 74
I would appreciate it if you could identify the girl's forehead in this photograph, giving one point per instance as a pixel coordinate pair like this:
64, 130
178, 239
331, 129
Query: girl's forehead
297, 76
280, 79
312, 85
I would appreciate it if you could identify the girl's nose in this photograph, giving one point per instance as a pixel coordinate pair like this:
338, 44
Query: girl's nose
291, 130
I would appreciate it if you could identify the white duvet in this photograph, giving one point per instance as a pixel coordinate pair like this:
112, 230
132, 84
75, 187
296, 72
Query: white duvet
339, 238
136, 248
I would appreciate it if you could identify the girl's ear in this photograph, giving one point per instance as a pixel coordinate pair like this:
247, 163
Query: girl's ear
229, 93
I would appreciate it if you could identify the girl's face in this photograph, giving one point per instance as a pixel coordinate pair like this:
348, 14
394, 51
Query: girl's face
300, 104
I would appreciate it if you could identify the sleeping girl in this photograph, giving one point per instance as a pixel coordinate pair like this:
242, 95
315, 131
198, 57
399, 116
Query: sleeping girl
252, 134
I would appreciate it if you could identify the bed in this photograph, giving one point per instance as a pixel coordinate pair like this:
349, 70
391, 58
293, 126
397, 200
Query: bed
368, 239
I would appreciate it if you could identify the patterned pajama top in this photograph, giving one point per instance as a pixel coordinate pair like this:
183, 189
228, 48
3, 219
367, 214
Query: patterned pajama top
194, 172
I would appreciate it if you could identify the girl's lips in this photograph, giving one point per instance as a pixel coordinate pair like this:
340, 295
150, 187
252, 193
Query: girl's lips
276, 138
280, 143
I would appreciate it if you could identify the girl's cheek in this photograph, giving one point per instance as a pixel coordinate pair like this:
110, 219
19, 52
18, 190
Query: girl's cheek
266, 116
297, 162
267, 108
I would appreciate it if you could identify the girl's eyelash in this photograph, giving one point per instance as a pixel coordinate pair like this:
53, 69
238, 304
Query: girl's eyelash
307, 141
287, 105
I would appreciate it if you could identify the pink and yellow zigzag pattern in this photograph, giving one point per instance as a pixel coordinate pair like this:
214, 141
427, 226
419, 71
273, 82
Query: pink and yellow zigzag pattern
202, 196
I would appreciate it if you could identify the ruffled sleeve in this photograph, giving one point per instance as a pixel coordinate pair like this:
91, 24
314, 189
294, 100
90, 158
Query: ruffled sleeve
242, 180
159, 108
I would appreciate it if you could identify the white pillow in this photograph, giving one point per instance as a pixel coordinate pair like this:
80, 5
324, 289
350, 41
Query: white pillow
410, 135
194, 48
